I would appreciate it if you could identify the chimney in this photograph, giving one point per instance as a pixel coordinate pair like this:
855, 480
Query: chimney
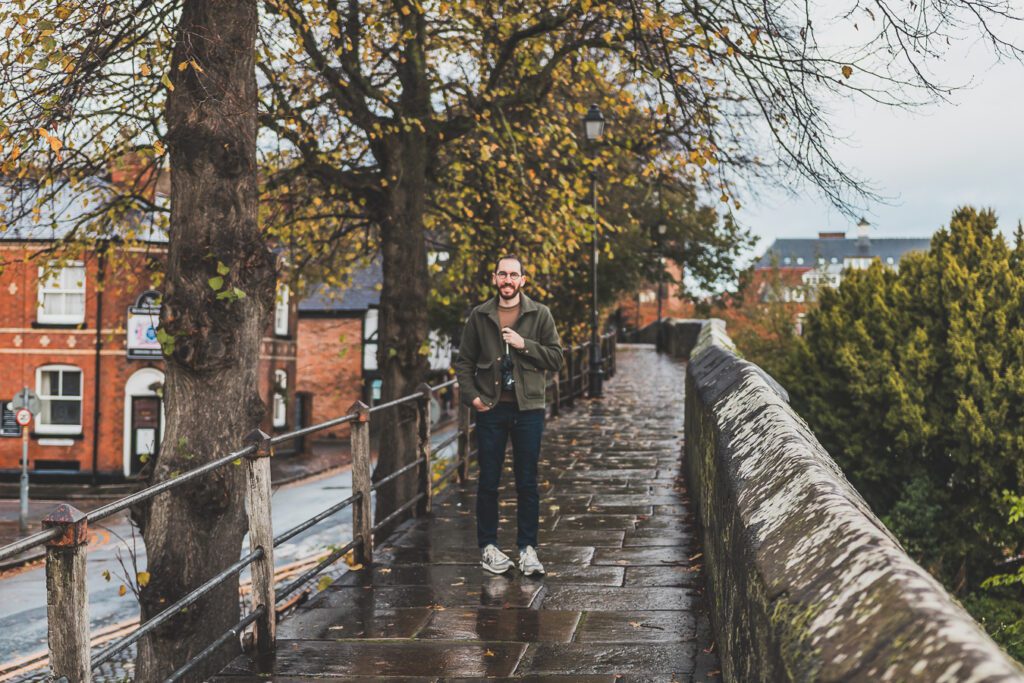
831, 235
863, 239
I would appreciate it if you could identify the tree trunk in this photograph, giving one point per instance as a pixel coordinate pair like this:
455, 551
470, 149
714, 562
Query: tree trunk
403, 328
211, 393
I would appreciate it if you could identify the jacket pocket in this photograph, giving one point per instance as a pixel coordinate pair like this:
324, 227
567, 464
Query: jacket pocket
486, 380
533, 381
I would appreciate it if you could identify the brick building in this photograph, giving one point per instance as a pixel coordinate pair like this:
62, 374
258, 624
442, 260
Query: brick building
337, 346
82, 337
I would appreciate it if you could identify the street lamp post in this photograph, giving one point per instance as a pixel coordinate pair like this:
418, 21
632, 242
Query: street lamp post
662, 229
593, 128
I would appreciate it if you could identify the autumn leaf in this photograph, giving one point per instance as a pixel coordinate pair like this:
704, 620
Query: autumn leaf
324, 582
488, 653
144, 69
122, 590
847, 71
142, 578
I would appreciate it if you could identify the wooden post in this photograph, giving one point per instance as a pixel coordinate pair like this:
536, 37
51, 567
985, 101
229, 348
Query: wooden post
556, 397
261, 535
423, 425
362, 511
67, 602
572, 379
464, 443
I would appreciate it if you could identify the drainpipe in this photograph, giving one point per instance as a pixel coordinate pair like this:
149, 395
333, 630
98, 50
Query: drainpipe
101, 265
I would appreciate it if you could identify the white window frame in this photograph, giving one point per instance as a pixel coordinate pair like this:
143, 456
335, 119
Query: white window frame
55, 283
279, 414
45, 428
282, 310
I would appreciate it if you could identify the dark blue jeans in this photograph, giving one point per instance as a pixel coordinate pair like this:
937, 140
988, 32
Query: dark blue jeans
493, 429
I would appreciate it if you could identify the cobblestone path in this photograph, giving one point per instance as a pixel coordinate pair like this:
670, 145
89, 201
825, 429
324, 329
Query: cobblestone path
623, 597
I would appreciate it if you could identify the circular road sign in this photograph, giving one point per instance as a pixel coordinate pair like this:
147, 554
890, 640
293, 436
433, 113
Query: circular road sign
23, 416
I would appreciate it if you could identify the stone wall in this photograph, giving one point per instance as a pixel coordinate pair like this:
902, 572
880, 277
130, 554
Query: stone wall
805, 583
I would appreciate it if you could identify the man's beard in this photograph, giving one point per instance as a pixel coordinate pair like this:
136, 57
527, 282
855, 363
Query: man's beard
512, 295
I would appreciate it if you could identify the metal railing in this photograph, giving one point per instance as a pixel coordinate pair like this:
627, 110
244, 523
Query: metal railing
66, 530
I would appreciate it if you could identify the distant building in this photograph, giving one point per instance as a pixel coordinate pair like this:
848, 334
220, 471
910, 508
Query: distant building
83, 339
805, 265
337, 348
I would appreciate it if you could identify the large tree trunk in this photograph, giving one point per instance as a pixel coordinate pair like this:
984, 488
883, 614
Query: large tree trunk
212, 399
403, 328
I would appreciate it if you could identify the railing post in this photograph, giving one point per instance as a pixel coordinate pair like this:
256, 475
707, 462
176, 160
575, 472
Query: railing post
556, 397
261, 535
362, 516
572, 375
423, 429
67, 602
464, 442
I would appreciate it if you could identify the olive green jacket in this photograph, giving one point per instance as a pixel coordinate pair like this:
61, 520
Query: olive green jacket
478, 366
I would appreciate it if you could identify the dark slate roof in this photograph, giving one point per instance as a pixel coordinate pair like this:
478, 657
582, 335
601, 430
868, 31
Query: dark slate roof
361, 293
813, 249
61, 213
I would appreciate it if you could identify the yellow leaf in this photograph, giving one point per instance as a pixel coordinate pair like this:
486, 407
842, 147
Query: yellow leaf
182, 66
195, 65
165, 79
405, 10
159, 147
144, 69
488, 653
122, 590
753, 36
143, 578
847, 71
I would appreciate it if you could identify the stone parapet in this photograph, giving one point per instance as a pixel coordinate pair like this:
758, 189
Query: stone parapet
805, 583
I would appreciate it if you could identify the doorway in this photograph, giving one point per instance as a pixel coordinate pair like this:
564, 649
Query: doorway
143, 419
145, 431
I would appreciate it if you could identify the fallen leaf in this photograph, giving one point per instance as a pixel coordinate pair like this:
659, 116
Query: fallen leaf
488, 653
635, 624
122, 590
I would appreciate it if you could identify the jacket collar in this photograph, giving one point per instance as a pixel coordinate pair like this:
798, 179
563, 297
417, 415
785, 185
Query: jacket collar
490, 307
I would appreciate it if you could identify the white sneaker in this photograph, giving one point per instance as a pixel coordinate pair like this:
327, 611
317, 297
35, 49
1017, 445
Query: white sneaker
528, 562
494, 560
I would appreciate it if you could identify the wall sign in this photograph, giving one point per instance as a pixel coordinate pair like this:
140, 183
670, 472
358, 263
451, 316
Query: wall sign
143, 320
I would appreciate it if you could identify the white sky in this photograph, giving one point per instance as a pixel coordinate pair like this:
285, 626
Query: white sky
928, 161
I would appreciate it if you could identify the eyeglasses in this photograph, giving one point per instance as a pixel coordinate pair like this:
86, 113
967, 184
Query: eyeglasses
502, 275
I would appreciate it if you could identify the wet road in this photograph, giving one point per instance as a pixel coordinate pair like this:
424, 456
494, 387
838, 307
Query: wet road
623, 598
23, 594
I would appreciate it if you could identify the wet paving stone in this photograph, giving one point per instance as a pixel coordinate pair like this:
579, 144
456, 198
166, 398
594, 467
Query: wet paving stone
660, 537
518, 625
689, 576
636, 626
636, 556
600, 658
352, 621
622, 599
325, 658
592, 537
570, 596
486, 591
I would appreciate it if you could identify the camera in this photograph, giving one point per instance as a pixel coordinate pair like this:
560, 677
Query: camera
508, 380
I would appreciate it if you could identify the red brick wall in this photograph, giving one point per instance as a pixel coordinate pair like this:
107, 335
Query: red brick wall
25, 346
330, 365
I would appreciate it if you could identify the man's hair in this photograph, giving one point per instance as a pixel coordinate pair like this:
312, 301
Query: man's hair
509, 257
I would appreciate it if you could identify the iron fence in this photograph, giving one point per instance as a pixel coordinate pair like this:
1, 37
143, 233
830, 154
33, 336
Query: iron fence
66, 530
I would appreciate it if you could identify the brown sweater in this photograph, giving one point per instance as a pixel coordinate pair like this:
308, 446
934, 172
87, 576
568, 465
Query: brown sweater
507, 317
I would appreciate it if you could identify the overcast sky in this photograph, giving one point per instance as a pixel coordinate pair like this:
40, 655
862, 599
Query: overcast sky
928, 161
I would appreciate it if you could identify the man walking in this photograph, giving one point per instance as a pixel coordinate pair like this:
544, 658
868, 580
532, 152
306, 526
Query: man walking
508, 345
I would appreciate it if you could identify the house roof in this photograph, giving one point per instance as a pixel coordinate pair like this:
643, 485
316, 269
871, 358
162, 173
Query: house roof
55, 218
810, 250
361, 292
